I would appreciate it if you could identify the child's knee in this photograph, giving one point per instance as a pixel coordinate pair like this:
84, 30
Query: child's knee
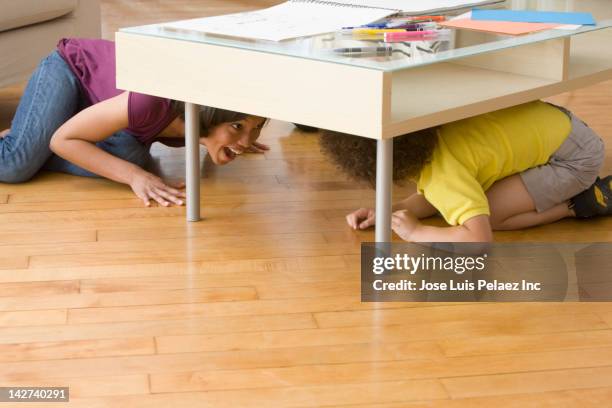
496, 223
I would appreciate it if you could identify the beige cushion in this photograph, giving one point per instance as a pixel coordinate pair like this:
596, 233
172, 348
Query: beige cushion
19, 13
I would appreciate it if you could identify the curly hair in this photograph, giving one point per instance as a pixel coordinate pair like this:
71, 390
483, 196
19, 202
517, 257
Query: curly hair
356, 155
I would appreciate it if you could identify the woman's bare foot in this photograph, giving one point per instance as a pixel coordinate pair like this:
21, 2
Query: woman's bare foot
4, 133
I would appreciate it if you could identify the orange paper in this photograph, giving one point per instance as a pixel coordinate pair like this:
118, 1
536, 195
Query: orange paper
498, 27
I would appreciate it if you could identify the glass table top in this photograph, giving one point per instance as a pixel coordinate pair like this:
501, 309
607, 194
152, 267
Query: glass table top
409, 54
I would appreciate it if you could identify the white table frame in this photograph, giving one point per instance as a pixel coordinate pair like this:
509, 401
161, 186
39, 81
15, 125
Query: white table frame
213, 75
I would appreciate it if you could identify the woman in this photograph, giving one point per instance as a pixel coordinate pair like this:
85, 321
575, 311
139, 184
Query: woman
71, 107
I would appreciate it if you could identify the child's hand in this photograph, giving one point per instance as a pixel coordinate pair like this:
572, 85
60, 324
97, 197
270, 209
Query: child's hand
404, 224
149, 187
361, 219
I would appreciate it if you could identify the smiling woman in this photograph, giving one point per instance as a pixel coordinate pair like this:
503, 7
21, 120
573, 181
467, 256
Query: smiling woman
72, 119
226, 134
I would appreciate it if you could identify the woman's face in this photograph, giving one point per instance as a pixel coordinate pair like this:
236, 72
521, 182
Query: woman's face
228, 140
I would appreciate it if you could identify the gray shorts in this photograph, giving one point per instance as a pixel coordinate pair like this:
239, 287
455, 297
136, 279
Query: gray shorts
573, 168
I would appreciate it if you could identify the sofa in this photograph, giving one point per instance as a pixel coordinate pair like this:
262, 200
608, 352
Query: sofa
30, 29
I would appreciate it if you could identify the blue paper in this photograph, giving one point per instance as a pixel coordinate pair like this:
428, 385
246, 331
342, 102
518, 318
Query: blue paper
534, 16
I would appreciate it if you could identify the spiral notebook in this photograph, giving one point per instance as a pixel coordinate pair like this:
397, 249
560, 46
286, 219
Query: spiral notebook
303, 18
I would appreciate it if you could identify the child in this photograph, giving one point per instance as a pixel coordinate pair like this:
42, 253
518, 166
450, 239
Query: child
71, 107
515, 168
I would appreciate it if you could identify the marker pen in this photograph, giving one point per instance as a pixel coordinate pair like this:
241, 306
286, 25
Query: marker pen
405, 25
415, 35
421, 18
374, 31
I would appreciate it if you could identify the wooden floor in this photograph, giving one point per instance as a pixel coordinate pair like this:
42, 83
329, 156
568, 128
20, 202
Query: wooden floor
258, 305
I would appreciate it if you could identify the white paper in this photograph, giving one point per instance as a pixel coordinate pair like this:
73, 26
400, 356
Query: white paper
418, 6
464, 16
285, 21
568, 27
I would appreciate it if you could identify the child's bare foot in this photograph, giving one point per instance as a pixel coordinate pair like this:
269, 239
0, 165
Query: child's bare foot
4, 133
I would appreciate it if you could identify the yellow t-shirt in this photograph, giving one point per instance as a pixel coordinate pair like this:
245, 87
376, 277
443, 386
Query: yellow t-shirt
474, 153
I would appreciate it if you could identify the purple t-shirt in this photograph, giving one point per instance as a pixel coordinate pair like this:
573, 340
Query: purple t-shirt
93, 63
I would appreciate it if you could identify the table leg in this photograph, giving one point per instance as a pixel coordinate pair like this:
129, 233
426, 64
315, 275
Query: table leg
192, 160
384, 189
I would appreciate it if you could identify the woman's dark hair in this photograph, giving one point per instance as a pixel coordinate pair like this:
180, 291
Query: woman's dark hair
356, 155
209, 117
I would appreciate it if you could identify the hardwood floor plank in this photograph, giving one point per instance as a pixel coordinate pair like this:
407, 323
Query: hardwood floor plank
540, 324
217, 289
231, 360
440, 333
224, 272
55, 206
95, 386
37, 289
4, 198
459, 387
33, 318
56, 237
13, 262
588, 398
368, 393
228, 308
526, 343
507, 315
116, 330
44, 198
306, 290
101, 271
264, 250
304, 376
265, 204
61, 350
606, 316
268, 340
471, 376
114, 299
270, 223
550, 380
172, 221
200, 245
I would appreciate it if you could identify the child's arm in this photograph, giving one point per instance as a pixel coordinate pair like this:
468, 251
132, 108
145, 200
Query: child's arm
417, 205
475, 229
75, 141
364, 218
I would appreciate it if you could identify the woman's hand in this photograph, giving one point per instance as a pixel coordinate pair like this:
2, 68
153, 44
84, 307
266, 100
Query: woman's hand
404, 224
149, 187
257, 147
362, 219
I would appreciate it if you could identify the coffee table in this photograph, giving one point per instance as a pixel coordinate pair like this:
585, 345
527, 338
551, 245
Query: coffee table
303, 81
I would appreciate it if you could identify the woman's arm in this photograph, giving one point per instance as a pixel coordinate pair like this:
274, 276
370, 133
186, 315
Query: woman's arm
75, 141
408, 227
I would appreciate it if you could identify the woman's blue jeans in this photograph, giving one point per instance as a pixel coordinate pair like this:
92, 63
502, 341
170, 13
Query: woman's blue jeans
51, 97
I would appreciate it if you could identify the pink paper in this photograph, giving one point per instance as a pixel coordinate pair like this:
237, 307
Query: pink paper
498, 27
